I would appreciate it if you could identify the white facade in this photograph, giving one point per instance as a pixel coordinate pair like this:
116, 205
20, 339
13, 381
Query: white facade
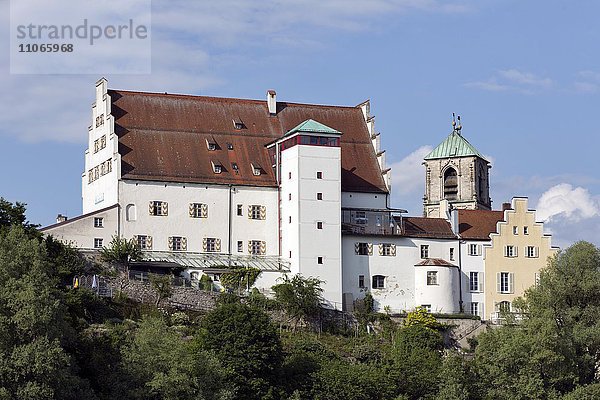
304, 221
473, 276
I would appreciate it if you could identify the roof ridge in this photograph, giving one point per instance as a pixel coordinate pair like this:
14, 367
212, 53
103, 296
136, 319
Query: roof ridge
236, 99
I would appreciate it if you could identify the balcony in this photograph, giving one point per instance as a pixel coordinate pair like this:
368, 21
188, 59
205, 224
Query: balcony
371, 221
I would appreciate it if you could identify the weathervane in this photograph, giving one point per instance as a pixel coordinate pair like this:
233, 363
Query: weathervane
456, 127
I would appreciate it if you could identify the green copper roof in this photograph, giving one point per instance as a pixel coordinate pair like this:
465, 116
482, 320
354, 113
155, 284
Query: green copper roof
455, 145
312, 126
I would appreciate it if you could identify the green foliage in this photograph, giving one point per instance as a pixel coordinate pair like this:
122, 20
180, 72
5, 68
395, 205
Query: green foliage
420, 316
363, 310
247, 345
239, 277
456, 379
588, 392
415, 361
162, 286
14, 215
259, 300
206, 283
121, 252
164, 366
33, 332
339, 380
300, 297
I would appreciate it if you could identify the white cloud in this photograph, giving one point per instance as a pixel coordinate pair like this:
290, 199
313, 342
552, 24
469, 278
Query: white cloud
408, 180
513, 80
587, 82
568, 203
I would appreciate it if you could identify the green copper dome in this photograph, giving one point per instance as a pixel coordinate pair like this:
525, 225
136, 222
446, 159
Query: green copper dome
312, 126
455, 145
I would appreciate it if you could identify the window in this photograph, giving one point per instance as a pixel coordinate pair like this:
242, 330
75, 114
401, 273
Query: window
360, 217
387, 249
319, 225
290, 254
211, 245
427, 307
240, 246
257, 247
432, 278
177, 243
510, 251
474, 308
424, 251
319, 260
319, 175
98, 222
256, 169
451, 253
505, 282
290, 219
217, 168
130, 212
319, 196
378, 282
525, 230
98, 242
144, 242
531, 252
476, 281
257, 212
474, 249
363, 249
450, 184
238, 124
289, 175
515, 230
198, 210
235, 168
361, 281
211, 145
229, 146
239, 209
289, 196
159, 208
503, 306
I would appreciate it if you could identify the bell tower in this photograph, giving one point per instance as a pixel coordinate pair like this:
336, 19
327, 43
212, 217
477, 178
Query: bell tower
455, 171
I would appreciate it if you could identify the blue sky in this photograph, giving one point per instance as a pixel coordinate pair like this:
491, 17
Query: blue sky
524, 76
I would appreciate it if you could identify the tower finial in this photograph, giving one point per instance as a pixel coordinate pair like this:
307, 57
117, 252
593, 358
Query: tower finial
459, 126
453, 121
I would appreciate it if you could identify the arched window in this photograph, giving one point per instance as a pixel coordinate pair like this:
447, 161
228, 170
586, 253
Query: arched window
130, 212
450, 184
503, 306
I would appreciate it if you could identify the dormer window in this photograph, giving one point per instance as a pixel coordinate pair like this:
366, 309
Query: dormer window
217, 167
229, 146
256, 169
211, 144
238, 124
235, 167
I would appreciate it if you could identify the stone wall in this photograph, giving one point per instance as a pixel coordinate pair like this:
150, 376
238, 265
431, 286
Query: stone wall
183, 297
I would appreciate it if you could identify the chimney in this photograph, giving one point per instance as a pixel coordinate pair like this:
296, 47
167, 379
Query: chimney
60, 218
272, 101
506, 206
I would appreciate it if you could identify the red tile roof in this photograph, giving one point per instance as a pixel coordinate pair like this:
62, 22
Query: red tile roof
478, 224
436, 262
163, 137
436, 228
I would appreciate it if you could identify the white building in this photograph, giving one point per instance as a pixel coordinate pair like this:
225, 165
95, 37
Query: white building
209, 183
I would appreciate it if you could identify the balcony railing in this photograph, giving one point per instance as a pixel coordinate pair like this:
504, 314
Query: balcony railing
371, 222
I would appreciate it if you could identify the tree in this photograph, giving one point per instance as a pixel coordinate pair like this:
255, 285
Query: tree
247, 345
415, 361
164, 366
33, 332
121, 251
14, 214
162, 287
557, 345
420, 316
300, 297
